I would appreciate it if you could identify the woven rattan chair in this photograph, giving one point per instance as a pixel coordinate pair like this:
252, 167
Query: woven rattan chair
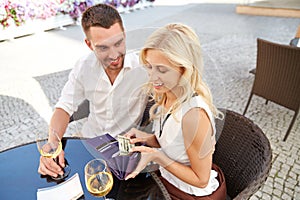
294, 42
277, 76
244, 154
84, 110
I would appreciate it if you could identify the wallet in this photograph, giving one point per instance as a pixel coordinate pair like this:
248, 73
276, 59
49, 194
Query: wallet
107, 148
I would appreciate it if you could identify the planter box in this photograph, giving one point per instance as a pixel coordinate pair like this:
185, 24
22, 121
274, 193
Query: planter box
33, 26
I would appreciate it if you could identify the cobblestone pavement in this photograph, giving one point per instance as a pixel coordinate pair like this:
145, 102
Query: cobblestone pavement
33, 70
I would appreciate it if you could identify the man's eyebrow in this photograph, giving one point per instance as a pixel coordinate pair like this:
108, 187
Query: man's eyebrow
120, 40
100, 46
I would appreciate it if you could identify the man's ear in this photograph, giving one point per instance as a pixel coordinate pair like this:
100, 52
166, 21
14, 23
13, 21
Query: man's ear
89, 44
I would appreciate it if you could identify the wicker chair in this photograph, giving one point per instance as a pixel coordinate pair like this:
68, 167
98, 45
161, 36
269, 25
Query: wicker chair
84, 110
294, 42
244, 154
277, 76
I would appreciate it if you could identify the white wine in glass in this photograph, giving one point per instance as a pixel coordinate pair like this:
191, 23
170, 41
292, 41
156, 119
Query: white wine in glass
98, 178
50, 146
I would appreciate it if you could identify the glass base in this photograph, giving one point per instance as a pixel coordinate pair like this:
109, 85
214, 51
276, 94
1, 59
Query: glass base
66, 169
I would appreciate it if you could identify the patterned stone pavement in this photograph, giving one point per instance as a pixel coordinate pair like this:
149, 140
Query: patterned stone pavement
33, 70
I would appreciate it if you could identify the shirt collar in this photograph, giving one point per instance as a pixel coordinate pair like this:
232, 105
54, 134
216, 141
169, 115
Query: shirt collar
127, 62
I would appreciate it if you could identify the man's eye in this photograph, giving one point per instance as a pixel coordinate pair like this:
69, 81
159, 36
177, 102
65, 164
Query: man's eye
101, 48
118, 44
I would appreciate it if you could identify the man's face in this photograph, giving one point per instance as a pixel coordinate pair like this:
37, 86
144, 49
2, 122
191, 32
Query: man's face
108, 45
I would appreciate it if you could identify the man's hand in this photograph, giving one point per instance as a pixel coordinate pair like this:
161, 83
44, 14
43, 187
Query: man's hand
48, 166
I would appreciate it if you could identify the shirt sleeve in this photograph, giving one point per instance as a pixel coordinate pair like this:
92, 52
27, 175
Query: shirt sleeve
73, 91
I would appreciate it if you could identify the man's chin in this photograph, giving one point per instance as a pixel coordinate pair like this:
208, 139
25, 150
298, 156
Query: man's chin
114, 67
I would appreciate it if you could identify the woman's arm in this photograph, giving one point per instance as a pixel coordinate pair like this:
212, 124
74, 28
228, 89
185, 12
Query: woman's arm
196, 125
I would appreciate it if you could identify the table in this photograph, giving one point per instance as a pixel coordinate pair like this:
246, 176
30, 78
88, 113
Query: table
20, 179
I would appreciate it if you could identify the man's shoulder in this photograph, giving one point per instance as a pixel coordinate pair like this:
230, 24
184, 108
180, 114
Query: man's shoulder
88, 58
85, 62
84, 65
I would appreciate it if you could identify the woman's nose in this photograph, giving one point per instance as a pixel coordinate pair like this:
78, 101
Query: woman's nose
153, 76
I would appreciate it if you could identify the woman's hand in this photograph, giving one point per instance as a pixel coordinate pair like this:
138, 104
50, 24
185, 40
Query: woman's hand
148, 154
137, 136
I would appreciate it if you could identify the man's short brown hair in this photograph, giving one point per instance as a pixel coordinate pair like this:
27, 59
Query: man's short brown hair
100, 15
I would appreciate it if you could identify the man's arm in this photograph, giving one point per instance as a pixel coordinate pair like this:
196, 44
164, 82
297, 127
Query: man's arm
59, 121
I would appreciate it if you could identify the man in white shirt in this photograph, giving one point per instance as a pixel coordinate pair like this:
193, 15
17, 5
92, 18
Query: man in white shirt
109, 79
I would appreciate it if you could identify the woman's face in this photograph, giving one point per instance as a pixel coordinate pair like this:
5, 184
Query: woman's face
163, 75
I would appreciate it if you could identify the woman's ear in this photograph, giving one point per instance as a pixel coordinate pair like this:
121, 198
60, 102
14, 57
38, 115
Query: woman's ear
89, 44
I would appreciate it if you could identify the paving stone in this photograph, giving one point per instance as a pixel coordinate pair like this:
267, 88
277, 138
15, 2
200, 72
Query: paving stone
286, 196
31, 89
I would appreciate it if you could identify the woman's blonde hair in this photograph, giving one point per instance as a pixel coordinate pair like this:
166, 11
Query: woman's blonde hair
181, 46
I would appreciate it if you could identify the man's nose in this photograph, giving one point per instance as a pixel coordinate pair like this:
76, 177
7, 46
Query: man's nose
114, 53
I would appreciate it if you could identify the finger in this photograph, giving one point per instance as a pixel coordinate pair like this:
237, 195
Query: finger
44, 169
130, 134
51, 165
142, 149
61, 159
132, 175
136, 140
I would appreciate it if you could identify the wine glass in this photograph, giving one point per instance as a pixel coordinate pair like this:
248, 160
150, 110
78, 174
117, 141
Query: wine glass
50, 146
98, 178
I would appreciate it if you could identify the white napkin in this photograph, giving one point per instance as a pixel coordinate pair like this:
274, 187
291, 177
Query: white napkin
69, 189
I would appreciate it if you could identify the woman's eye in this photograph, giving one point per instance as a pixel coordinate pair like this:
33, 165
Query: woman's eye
162, 69
148, 66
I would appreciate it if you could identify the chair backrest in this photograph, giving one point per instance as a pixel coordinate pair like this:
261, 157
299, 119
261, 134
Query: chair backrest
84, 110
244, 154
277, 76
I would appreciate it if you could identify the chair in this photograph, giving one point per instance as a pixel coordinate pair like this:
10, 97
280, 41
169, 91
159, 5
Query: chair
244, 154
84, 110
294, 42
277, 76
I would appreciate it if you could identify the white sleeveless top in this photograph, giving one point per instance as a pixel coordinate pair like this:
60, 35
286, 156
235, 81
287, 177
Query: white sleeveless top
172, 144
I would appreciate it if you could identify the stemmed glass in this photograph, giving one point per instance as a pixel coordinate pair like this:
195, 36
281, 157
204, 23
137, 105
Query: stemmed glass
98, 178
50, 145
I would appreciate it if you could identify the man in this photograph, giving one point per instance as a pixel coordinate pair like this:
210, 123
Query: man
109, 79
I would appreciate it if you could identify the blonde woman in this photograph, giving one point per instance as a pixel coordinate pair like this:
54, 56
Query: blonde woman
184, 130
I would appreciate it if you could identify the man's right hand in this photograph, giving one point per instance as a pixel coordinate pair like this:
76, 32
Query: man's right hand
48, 166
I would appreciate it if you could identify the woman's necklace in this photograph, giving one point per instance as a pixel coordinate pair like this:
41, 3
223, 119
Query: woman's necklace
162, 122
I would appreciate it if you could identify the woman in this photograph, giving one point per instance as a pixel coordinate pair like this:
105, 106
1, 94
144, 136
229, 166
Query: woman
183, 113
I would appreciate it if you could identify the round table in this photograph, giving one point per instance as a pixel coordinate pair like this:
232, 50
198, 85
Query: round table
20, 179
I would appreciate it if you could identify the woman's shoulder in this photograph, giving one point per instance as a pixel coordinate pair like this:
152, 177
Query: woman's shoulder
195, 102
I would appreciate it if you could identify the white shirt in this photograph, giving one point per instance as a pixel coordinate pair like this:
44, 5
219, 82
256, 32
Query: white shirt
113, 108
172, 144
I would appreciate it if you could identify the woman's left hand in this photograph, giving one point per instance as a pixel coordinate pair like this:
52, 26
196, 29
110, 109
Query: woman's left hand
148, 154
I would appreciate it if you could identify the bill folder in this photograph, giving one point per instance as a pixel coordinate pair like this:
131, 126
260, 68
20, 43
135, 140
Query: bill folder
107, 148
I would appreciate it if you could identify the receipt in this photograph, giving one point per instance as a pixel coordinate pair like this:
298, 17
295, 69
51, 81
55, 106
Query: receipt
69, 189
